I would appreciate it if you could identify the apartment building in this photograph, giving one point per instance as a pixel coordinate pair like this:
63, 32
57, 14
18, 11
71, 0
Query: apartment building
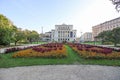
108, 25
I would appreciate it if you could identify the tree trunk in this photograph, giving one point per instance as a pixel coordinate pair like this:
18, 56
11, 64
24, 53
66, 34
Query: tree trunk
15, 43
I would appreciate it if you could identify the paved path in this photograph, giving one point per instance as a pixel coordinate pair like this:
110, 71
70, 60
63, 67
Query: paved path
61, 72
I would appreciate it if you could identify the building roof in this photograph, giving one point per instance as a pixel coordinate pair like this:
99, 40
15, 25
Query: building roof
106, 22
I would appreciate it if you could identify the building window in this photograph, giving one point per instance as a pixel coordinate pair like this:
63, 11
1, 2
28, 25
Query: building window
71, 34
58, 35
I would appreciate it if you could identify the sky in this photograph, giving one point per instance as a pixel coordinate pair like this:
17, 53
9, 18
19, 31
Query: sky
35, 14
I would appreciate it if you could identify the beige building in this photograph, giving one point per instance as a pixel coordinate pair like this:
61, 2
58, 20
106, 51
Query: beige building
86, 37
108, 25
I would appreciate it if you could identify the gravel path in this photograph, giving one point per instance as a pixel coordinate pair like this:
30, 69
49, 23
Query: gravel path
61, 72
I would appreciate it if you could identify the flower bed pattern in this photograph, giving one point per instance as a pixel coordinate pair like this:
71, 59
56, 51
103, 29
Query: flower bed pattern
95, 52
9, 50
52, 50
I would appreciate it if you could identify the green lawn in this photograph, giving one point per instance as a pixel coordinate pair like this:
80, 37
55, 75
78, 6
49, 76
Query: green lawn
6, 60
92, 43
39, 42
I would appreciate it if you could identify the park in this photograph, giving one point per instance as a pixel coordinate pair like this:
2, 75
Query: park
60, 40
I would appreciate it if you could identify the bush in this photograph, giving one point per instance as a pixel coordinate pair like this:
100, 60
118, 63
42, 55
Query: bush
107, 43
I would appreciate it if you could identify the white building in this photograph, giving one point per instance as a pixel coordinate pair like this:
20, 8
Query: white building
63, 33
86, 37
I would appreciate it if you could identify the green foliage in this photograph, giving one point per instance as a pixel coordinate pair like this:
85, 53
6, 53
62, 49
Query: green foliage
6, 30
105, 36
110, 36
31, 36
18, 36
10, 33
116, 36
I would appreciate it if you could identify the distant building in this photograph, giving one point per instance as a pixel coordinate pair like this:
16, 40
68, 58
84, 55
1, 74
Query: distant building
86, 37
63, 33
46, 36
108, 25
78, 39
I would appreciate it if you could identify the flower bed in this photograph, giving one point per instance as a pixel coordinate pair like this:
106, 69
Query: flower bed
52, 50
95, 52
13, 49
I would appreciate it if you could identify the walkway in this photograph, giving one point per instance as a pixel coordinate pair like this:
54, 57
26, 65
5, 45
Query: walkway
61, 72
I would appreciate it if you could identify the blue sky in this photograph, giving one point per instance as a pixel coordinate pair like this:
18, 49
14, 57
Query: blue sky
34, 14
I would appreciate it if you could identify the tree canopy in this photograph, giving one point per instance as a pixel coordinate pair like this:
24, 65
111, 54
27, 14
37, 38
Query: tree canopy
117, 4
6, 30
110, 36
10, 33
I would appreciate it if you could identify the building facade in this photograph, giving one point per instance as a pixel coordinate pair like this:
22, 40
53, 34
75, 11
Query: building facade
86, 37
63, 33
46, 37
108, 25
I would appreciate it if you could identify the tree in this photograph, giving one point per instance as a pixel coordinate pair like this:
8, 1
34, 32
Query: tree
9, 32
115, 36
18, 36
34, 36
117, 4
6, 30
110, 36
105, 36
31, 36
